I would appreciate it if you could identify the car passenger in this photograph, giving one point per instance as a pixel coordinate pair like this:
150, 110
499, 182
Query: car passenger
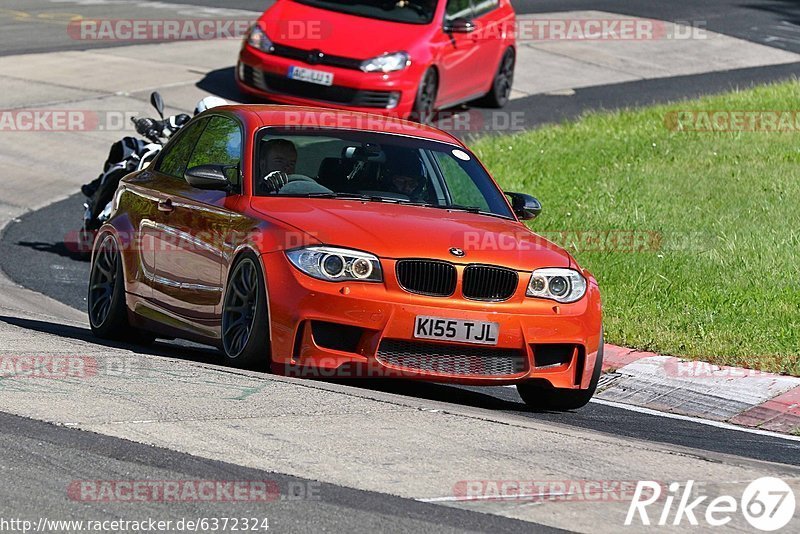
407, 179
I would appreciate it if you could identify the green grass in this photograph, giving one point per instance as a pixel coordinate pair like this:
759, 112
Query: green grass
723, 281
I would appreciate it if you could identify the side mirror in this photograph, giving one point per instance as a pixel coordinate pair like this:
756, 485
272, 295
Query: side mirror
209, 177
525, 206
459, 25
157, 102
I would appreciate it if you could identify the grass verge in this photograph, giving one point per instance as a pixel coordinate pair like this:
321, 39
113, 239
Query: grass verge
694, 237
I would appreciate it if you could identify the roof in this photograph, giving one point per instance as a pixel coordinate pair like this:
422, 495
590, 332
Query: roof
314, 117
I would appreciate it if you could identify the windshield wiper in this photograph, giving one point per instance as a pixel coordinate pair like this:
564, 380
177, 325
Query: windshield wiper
458, 207
454, 207
353, 196
404, 202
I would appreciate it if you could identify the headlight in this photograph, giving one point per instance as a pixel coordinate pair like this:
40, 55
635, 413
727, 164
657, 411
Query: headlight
258, 39
336, 264
561, 285
387, 63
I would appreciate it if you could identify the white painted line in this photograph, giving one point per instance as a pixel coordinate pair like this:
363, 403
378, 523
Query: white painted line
183, 9
688, 418
707, 422
552, 65
515, 497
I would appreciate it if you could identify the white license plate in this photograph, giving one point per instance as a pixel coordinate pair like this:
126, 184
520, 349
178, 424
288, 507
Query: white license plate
319, 77
456, 330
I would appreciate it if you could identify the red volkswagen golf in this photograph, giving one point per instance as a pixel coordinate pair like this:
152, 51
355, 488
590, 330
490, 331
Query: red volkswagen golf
334, 244
406, 58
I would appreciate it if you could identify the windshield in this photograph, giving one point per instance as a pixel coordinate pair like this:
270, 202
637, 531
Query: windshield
407, 11
377, 167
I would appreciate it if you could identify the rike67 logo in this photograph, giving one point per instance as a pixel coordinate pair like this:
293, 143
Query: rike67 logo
767, 504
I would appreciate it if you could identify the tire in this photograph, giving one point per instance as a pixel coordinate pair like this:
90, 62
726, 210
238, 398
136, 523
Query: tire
498, 95
245, 322
425, 102
547, 397
108, 313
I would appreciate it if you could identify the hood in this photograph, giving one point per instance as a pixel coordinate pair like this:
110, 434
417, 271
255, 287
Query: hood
309, 28
397, 231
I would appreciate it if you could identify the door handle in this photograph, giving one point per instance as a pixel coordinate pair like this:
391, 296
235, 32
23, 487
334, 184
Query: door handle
165, 205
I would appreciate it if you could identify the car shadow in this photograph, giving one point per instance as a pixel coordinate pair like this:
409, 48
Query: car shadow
486, 397
221, 83
70, 250
435, 392
788, 10
169, 349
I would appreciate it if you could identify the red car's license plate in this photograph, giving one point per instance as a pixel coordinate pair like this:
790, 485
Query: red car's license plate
319, 77
443, 329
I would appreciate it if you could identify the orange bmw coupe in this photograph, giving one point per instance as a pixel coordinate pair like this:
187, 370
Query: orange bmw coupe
322, 243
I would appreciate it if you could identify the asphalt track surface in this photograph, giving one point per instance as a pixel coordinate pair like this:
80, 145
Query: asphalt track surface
40, 460
38, 251
769, 22
45, 460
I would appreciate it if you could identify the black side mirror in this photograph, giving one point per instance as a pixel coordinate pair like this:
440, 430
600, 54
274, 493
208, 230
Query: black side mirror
209, 177
525, 206
157, 102
459, 25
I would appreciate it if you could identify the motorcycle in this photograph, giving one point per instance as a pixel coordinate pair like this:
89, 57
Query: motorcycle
128, 155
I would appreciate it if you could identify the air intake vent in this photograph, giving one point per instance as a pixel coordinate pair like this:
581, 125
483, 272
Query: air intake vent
484, 282
427, 277
460, 360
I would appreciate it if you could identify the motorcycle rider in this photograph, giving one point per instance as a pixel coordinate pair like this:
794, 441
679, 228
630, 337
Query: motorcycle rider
155, 129
208, 103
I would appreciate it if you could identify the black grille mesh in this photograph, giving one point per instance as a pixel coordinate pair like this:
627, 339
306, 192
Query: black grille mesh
458, 360
426, 277
485, 282
319, 58
333, 93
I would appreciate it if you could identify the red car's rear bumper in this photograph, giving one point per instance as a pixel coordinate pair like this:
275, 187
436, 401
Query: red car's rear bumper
266, 76
339, 330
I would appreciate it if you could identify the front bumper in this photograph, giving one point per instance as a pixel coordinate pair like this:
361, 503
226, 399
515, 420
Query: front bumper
382, 318
266, 76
